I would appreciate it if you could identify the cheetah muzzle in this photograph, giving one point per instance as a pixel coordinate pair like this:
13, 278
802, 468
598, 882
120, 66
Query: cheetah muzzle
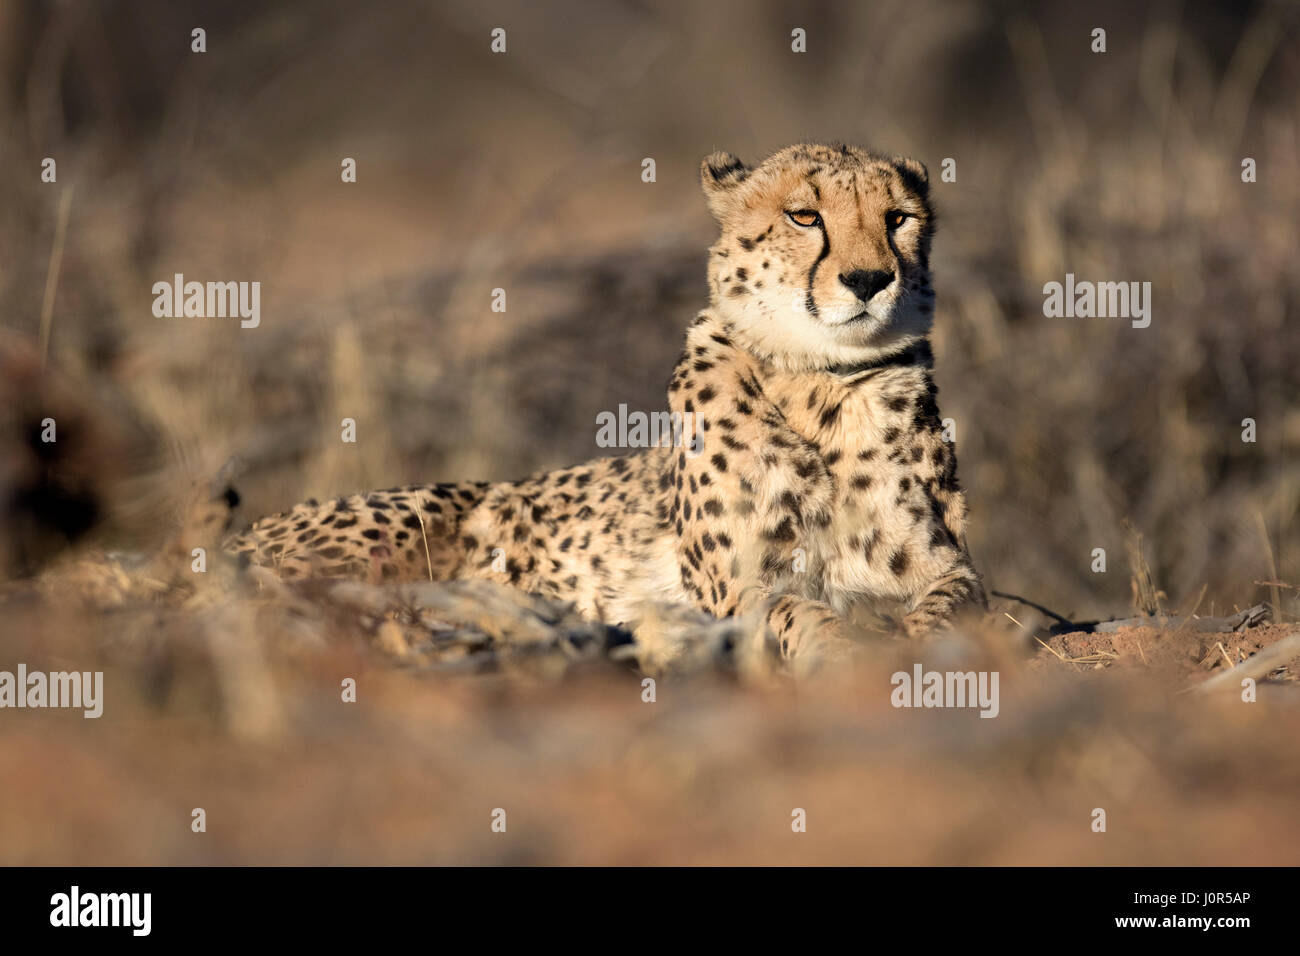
821, 483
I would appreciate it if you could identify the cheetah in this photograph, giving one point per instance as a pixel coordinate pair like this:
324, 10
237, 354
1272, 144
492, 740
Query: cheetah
817, 480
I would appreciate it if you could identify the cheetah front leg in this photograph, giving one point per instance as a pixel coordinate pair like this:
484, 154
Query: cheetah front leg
805, 629
944, 597
744, 496
959, 586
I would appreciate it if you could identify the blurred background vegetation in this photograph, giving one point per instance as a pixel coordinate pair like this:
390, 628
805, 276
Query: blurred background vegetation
522, 171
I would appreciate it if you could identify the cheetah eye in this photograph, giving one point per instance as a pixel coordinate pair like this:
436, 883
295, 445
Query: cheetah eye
804, 217
896, 218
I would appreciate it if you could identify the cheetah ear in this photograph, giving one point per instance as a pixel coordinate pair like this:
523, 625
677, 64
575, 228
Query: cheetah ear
720, 174
914, 174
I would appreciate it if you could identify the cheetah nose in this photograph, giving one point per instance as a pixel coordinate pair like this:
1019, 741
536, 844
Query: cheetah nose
867, 282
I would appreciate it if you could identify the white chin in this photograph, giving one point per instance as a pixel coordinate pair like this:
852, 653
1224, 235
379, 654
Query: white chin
872, 332
863, 328
849, 320
798, 340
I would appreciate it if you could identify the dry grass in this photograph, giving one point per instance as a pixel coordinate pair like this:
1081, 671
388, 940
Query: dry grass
226, 695
522, 172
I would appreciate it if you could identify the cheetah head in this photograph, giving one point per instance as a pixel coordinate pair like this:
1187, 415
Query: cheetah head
823, 260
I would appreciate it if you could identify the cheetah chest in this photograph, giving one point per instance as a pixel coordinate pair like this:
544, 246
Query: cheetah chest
890, 530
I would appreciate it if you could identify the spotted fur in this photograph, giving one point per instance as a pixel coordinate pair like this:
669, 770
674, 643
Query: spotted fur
820, 483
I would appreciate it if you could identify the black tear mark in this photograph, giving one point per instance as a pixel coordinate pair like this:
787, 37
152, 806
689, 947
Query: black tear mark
812, 273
